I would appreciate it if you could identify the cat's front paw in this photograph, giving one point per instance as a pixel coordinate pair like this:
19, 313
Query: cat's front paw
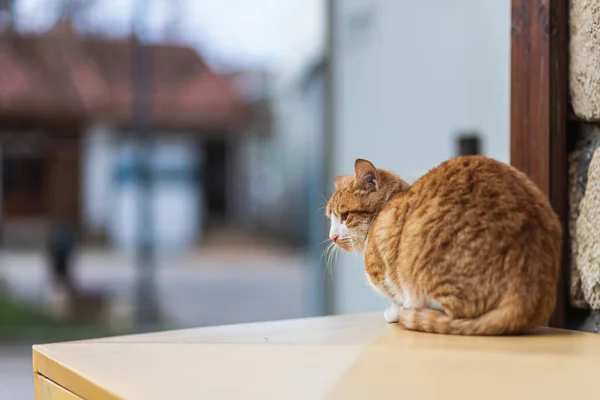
391, 314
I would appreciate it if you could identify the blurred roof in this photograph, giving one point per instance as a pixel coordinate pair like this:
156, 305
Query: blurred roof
62, 75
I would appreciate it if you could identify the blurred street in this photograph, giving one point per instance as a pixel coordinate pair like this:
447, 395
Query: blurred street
226, 283
231, 280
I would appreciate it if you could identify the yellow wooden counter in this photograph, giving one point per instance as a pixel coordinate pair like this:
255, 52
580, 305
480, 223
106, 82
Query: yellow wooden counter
344, 357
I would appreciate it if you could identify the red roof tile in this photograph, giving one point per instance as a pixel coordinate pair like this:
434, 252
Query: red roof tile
63, 75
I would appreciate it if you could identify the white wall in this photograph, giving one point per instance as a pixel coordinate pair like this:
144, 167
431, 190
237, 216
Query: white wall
408, 76
98, 160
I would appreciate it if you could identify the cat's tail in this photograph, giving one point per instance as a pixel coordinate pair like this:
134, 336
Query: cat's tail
508, 318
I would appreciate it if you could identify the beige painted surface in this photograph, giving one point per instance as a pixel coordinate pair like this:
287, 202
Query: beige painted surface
48, 390
357, 356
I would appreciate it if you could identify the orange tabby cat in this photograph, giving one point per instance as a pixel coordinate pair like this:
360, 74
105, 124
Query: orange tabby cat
471, 248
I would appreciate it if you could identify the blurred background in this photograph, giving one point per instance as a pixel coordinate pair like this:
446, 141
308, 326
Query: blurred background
165, 163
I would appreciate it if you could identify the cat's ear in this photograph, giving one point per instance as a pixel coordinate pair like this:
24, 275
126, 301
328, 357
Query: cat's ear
366, 174
341, 181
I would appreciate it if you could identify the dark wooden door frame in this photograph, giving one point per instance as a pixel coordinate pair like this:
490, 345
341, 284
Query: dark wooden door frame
539, 109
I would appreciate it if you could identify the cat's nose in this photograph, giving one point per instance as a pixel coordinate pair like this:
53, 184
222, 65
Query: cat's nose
334, 237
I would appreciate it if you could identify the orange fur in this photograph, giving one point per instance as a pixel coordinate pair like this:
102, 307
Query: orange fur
471, 248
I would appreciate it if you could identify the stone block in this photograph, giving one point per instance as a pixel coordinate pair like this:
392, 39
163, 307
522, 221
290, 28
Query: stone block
584, 219
584, 56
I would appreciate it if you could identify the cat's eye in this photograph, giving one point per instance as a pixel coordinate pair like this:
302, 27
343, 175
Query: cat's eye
344, 217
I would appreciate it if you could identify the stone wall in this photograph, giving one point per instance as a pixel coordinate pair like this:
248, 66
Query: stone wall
584, 218
584, 159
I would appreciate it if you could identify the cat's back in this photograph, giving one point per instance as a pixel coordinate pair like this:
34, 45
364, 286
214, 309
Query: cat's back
483, 191
468, 173
470, 179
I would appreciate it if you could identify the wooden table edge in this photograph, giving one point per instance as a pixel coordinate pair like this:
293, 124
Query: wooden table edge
46, 389
65, 378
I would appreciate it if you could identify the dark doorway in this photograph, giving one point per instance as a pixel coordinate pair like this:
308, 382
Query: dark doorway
23, 179
215, 181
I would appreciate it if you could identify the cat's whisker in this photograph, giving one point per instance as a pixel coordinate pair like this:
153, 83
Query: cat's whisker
333, 252
323, 197
328, 249
328, 252
324, 254
331, 265
328, 261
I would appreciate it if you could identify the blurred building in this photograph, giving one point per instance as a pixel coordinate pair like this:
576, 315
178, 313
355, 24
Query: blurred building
68, 138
